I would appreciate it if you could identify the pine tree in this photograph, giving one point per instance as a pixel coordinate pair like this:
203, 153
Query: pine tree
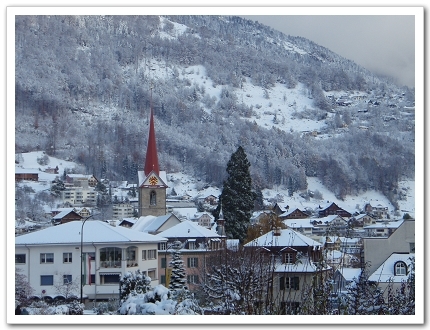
133, 284
237, 197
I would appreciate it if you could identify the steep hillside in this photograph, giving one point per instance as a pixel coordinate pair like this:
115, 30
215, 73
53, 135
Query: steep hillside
83, 86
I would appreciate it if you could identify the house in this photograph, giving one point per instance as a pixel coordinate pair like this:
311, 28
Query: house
154, 225
52, 257
379, 211
394, 271
81, 180
51, 170
303, 226
293, 214
204, 219
296, 263
26, 174
65, 216
382, 229
333, 209
402, 240
361, 220
195, 242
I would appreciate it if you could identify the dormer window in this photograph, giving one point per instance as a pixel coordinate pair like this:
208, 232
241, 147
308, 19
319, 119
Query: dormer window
289, 258
400, 268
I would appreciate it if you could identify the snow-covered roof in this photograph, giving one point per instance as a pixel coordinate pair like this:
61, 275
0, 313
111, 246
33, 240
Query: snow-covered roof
95, 231
391, 224
350, 273
385, 272
288, 237
188, 229
303, 265
150, 223
63, 213
141, 176
298, 223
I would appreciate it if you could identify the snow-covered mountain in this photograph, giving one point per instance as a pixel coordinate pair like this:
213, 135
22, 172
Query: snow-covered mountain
300, 111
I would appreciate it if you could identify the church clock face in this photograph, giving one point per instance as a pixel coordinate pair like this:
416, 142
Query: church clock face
153, 180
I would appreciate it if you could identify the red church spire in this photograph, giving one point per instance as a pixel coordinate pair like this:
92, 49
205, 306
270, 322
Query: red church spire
151, 161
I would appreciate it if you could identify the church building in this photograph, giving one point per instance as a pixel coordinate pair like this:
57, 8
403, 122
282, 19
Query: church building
152, 182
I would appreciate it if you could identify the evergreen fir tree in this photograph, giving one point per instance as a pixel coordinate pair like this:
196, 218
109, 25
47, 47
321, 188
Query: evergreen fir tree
178, 278
237, 197
133, 284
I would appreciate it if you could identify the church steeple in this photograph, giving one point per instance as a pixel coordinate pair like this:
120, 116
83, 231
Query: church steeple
151, 160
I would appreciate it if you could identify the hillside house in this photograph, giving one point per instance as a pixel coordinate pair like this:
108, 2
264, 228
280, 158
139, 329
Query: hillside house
293, 214
52, 256
333, 209
81, 180
204, 219
66, 216
26, 174
379, 211
382, 229
296, 259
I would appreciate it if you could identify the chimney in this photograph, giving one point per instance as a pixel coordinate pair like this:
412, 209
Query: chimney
277, 231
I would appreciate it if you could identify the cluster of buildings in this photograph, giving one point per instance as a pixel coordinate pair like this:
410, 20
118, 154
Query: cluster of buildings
96, 253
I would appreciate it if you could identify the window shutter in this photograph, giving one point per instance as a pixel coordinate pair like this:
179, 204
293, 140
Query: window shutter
281, 283
296, 283
188, 262
197, 262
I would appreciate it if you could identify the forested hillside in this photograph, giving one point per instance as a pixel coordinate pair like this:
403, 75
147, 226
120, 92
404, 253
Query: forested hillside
83, 86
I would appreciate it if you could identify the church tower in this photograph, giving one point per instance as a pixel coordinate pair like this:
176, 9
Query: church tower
152, 186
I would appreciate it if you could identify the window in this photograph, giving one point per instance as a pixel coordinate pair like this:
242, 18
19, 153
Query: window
67, 279
290, 308
109, 278
152, 274
153, 198
143, 254
46, 258
289, 283
163, 262
163, 279
162, 246
192, 262
46, 279
131, 253
152, 254
110, 257
400, 268
193, 279
289, 258
191, 245
67, 257
20, 258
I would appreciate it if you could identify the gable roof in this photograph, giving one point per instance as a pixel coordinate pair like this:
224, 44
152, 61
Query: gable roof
152, 223
385, 272
189, 229
65, 212
288, 237
95, 231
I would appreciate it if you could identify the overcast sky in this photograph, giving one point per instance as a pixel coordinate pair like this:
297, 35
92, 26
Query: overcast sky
382, 44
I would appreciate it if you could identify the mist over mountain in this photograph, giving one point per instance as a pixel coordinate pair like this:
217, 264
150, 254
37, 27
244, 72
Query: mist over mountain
83, 92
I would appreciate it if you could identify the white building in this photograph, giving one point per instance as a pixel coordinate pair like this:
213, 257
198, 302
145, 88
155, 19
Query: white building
122, 210
78, 196
52, 257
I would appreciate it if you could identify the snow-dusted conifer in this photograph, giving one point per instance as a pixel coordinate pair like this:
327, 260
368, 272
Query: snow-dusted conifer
237, 196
